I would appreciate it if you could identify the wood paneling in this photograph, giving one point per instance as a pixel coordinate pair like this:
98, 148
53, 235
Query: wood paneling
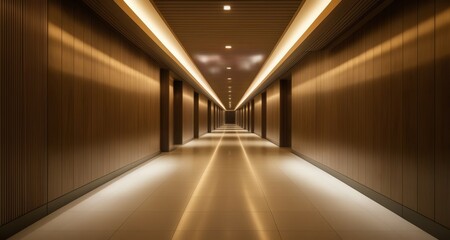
409, 104
258, 115
285, 113
426, 109
305, 113
273, 113
230, 117
442, 115
196, 114
375, 107
277, 108
23, 107
103, 96
263, 114
177, 112
210, 117
167, 124
202, 115
188, 112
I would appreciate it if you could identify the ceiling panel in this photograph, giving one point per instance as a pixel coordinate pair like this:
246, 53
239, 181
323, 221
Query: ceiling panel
251, 27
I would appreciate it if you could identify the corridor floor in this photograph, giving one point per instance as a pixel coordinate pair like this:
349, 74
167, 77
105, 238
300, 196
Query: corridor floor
229, 184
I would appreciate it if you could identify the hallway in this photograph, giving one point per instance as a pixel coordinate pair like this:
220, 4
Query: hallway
229, 184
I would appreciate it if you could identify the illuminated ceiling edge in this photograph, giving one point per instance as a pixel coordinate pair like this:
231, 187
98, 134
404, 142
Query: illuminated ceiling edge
290, 41
144, 14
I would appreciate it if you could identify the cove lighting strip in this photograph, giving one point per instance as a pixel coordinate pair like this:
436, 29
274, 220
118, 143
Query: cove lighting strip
144, 14
311, 14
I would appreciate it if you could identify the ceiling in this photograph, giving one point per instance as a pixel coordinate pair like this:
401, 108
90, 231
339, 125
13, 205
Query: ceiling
252, 28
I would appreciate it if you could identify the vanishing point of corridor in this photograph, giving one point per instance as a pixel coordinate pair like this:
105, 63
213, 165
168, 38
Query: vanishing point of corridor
229, 184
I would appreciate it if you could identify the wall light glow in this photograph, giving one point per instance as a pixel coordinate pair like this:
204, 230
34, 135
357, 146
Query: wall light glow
145, 15
311, 13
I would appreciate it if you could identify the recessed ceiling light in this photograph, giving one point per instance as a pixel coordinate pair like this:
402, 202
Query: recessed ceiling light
228, 68
227, 7
229, 91
307, 18
229, 86
228, 47
229, 78
145, 15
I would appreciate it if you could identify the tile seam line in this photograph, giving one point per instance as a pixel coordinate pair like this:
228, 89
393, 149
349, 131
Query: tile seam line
135, 210
213, 156
259, 186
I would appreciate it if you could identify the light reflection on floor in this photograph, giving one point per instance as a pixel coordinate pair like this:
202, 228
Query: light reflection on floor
229, 184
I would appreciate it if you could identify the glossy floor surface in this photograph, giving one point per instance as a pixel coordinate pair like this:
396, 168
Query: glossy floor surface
229, 184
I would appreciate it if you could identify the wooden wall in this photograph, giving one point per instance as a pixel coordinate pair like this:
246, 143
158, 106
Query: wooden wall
166, 113
273, 113
209, 113
23, 107
202, 115
230, 117
103, 96
263, 114
78, 102
376, 107
188, 113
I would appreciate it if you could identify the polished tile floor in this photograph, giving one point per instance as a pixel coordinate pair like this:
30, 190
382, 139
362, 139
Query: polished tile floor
229, 184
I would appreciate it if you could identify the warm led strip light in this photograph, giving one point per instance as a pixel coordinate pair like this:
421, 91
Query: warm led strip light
147, 17
311, 13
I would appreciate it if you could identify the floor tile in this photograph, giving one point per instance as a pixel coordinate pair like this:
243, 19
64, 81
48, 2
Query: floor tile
309, 235
227, 221
226, 235
151, 221
301, 221
67, 235
245, 188
142, 235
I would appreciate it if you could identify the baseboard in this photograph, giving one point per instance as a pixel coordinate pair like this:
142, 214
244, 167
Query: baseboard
426, 224
24, 221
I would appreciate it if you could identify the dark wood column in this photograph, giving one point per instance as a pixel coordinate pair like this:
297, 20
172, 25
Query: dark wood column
196, 115
209, 116
285, 113
178, 112
166, 106
263, 114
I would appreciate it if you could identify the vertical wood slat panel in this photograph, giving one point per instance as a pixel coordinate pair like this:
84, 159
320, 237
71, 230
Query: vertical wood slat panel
379, 101
343, 110
203, 117
409, 105
352, 119
35, 93
105, 95
258, 105
385, 94
396, 103
54, 99
188, 110
392, 77
23, 104
273, 114
67, 83
426, 109
78, 159
442, 117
